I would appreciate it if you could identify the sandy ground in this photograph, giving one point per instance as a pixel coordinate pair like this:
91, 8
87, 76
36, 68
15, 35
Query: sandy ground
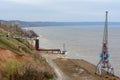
74, 69
59, 75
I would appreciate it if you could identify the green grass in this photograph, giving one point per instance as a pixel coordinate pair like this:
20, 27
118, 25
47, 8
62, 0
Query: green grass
25, 45
15, 45
23, 41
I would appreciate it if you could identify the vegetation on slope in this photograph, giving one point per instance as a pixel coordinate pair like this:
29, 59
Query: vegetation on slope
14, 45
18, 59
16, 30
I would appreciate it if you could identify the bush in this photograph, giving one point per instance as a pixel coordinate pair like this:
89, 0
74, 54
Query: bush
11, 66
14, 70
31, 74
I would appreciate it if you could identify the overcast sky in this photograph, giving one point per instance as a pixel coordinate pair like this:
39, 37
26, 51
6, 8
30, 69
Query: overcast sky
59, 10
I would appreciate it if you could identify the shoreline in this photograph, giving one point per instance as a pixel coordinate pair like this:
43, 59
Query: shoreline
80, 50
73, 68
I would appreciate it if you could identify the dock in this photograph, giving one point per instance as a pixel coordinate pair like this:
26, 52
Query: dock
50, 50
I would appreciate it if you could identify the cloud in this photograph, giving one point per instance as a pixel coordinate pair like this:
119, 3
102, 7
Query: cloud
64, 10
19, 1
30, 2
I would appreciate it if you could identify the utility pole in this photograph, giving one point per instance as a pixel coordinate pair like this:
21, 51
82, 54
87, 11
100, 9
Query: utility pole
104, 61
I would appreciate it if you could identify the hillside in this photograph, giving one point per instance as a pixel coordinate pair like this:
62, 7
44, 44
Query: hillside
18, 58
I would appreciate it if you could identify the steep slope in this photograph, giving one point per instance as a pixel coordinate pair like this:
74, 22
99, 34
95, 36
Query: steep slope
18, 58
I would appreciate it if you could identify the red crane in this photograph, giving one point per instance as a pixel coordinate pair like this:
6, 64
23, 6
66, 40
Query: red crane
104, 61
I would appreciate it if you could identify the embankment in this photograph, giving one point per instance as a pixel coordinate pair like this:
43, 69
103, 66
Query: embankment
74, 69
18, 59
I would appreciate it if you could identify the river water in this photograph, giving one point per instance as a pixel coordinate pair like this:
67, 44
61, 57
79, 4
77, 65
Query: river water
82, 42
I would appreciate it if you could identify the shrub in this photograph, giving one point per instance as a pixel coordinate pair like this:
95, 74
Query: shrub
31, 74
14, 70
11, 66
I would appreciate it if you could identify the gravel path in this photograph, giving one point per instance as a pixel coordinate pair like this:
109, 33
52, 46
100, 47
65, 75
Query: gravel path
59, 75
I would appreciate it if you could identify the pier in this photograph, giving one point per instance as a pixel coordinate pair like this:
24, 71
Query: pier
51, 50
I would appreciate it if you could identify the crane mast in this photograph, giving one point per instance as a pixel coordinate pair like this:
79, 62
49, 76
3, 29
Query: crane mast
104, 61
105, 38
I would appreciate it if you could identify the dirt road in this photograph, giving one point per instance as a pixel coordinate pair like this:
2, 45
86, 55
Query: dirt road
59, 75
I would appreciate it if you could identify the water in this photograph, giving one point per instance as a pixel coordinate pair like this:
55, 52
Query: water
82, 42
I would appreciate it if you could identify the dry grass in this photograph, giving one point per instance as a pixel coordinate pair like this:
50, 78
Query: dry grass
25, 68
77, 69
18, 60
30, 74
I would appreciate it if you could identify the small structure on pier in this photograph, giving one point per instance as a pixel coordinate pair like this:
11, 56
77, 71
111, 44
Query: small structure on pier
64, 51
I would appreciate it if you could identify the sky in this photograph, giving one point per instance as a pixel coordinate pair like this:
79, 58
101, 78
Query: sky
59, 10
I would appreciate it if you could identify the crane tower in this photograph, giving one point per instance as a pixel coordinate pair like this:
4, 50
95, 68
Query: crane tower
104, 61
